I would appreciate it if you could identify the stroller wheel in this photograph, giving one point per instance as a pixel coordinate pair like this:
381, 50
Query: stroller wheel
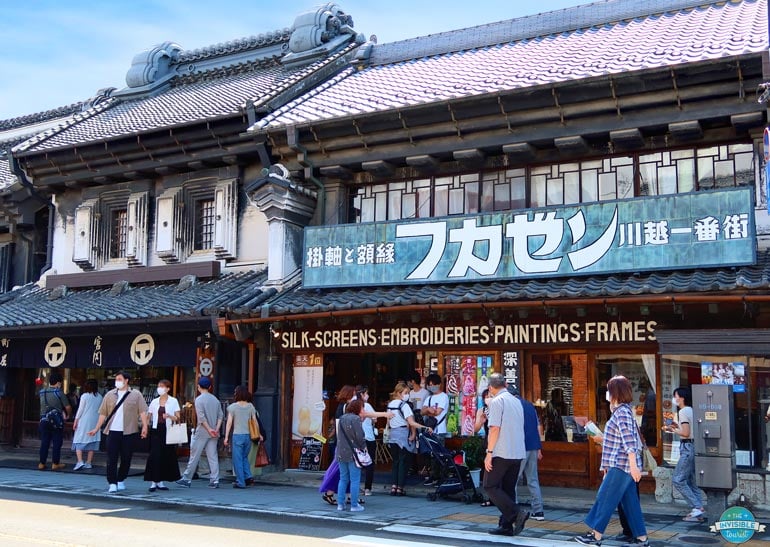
432, 496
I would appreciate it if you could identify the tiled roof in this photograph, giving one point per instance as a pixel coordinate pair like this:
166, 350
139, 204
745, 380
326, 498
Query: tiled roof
300, 300
235, 46
6, 177
205, 96
39, 117
32, 306
497, 58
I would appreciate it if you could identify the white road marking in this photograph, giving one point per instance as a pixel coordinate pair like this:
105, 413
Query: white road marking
475, 536
366, 541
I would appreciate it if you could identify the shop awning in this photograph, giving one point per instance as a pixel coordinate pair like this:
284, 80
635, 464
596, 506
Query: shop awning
706, 283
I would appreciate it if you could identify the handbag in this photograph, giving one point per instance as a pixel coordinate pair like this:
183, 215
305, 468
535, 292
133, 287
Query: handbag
261, 459
360, 457
649, 460
53, 417
176, 434
253, 429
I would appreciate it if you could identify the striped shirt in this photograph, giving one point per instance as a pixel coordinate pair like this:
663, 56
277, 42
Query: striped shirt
621, 436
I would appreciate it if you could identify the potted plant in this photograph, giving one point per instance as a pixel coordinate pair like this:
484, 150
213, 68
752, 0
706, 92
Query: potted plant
474, 447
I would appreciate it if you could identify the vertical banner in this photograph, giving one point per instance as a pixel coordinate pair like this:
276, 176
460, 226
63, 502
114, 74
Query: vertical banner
766, 146
308, 404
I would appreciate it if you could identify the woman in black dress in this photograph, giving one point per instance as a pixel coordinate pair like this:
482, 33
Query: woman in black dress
162, 464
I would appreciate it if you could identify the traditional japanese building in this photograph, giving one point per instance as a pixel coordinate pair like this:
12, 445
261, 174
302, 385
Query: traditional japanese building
154, 235
561, 197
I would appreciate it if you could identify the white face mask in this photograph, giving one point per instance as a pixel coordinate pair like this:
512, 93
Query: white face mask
405, 397
120, 384
607, 396
162, 391
675, 402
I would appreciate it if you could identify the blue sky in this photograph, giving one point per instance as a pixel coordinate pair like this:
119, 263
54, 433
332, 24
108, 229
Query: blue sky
58, 52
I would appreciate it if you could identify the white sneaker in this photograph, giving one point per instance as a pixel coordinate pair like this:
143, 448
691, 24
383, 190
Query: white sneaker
87, 466
78, 465
113, 489
121, 486
694, 515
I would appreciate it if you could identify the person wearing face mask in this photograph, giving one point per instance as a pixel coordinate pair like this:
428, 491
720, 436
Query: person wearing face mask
482, 415
120, 412
622, 466
162, 464
371, 443
401, 443
684, 473
209, 416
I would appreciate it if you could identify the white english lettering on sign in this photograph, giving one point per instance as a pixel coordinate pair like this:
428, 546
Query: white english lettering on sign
471, 335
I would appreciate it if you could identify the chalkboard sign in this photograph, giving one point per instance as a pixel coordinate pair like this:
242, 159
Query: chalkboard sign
310, 454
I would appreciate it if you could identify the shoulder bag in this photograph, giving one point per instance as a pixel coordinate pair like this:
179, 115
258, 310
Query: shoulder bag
253, 428
360, 457
648, 460
114, 410
53, 417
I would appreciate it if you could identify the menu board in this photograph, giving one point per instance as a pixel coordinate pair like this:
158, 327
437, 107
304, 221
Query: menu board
310, 454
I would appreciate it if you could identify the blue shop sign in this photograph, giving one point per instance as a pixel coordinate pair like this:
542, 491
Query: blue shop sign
696, 230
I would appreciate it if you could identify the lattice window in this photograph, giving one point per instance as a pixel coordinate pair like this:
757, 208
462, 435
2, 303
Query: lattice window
205, 217
118, 233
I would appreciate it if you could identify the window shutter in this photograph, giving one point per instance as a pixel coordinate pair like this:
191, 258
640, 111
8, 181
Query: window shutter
168, 226
225, 221
86, 247
136, 237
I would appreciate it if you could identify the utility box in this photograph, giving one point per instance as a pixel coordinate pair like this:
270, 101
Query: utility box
714, 436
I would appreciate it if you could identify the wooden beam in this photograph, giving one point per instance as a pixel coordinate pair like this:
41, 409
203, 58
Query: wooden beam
626, 139
379, 167
147, 274
686, 131
574, 144
469, 155
337, 171
520, 151
746, 122
423, 161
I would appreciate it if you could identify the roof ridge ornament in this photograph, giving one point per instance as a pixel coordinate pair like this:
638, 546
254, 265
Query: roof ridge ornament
153, 64
318, 33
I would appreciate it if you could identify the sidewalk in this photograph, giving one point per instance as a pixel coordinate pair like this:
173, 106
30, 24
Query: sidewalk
295, 493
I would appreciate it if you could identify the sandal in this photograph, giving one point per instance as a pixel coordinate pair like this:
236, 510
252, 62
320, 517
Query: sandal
400, 492
329, 498
488, 503
394, 490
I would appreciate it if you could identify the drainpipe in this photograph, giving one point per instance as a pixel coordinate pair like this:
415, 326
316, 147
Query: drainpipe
19, 172
292, 137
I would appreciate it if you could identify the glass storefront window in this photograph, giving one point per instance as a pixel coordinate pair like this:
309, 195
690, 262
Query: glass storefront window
554, 376
750, 378
640, 371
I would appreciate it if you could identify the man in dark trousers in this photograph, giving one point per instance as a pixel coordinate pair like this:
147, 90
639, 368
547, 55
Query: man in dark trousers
532, 430
505, 452
122, 409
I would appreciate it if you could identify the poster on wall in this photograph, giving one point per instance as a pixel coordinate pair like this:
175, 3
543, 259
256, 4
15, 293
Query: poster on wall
466, 378
726, 374
308, 404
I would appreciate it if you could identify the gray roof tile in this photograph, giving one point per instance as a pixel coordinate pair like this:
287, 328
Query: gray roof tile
32, 306
756, 277
437, 71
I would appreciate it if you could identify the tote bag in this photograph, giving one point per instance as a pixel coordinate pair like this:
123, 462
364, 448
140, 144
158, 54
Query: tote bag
176, 434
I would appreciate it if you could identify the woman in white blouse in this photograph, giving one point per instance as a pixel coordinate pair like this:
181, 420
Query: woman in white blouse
162, 464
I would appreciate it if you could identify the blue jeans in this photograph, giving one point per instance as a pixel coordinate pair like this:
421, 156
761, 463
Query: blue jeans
349, 473
241, 447
49, 435
529, 470
684, 476
617, 487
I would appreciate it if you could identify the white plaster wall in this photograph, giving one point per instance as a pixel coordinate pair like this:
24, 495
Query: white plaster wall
64, 233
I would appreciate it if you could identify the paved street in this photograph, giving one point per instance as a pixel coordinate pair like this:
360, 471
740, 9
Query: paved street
292, 497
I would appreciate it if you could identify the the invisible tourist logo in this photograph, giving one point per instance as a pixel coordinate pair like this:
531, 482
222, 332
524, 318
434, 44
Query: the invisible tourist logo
737, 525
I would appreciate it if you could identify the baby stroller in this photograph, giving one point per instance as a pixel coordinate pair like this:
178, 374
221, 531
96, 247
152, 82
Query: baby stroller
455, 477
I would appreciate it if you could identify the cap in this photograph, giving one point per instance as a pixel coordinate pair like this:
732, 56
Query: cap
204, 382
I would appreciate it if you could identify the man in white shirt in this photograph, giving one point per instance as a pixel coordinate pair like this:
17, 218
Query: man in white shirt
505, 452
417, 393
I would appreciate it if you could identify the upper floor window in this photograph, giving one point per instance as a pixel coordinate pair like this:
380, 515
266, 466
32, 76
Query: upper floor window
617, 177
204, 224
118, 233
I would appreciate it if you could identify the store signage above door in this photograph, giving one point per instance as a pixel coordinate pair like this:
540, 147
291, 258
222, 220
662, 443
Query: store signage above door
97, 351
655, 233
598, 332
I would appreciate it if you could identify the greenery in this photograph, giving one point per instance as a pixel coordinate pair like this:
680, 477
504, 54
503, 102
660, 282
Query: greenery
474, 452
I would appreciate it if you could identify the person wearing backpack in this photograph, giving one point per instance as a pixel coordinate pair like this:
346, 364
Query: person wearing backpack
402, 427
54, 409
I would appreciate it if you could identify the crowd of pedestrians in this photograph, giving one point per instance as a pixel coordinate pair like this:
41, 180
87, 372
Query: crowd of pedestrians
513, 447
